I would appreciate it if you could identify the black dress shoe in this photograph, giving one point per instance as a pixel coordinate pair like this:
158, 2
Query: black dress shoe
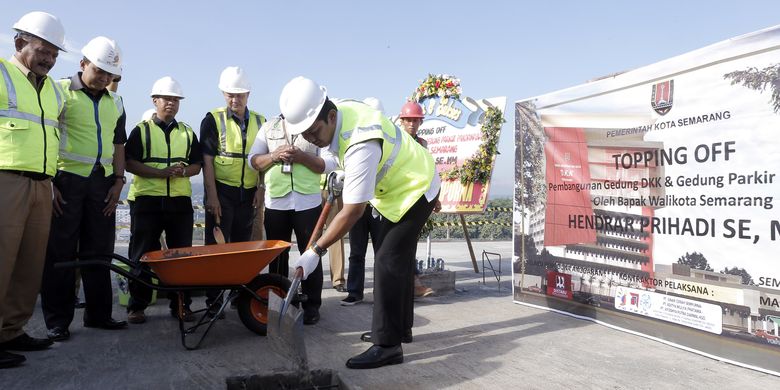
8, 359
58, 333
109, 324
377, 356
406, 338
311, 317
26, 343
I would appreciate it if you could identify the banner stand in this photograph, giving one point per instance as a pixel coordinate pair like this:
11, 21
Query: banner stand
468, 242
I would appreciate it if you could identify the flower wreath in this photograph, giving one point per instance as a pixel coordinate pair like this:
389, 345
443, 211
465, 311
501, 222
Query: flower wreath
440, 85
477, 168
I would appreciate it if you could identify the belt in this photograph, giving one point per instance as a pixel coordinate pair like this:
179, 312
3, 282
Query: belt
32, 175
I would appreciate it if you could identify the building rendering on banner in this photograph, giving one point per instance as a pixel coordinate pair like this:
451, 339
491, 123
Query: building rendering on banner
609, 251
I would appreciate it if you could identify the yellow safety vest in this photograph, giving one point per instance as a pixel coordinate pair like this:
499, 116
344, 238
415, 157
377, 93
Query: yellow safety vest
406, 169
302, 179
29, 135
157, 153
87, 131
230, 164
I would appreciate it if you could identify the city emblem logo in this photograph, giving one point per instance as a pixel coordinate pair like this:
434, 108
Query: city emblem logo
560, 282
663, 94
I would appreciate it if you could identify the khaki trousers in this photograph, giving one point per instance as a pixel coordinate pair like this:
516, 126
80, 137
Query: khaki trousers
257, 226
25, 218
336, 251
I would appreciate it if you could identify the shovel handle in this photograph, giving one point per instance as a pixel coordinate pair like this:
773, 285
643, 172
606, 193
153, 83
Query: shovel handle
320, 222
297, 276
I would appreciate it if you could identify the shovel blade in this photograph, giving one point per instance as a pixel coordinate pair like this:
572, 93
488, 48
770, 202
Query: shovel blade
285, 331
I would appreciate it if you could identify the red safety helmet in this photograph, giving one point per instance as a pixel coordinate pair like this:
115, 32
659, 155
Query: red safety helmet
411, 110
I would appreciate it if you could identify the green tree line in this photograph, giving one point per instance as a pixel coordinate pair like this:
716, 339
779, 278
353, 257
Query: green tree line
499, 229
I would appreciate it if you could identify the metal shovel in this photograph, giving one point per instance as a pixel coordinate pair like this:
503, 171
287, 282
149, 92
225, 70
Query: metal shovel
285, 321
285, 326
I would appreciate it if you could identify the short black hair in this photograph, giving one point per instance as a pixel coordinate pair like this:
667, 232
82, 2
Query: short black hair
323, 115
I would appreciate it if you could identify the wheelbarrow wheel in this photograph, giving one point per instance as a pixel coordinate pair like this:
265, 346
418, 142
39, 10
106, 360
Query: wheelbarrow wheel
254, 313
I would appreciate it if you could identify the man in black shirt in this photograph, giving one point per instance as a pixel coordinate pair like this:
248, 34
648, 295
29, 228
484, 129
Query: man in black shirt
162, 154
90, 177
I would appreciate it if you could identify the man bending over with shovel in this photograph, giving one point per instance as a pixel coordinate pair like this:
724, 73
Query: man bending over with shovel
382, 165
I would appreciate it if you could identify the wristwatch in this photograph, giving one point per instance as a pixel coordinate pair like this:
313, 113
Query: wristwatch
123, 178
319, 251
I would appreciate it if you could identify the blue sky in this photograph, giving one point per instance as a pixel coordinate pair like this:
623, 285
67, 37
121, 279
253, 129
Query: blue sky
517, 49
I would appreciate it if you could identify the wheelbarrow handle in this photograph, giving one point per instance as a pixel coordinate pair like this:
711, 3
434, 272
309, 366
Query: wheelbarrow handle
90, 259
99, 263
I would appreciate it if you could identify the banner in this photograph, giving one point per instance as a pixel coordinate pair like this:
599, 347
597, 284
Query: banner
653, 192
452, 127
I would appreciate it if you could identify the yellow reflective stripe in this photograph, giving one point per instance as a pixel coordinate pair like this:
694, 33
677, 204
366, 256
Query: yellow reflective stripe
84, 159
223, 131
60, 102
28, 117
13, 104
9, 87
120, 105
393, 155
12, 112
63, 132
348, 134
230, 154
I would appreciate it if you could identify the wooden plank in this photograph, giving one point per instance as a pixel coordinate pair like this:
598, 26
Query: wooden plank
468, 242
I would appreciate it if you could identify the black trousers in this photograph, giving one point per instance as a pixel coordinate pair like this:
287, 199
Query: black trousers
146, 227
82, 228
237, 214
394, 265
279, 225
236, 222
358, 244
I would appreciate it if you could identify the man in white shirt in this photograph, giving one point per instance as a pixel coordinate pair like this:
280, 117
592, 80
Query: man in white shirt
382, 165
292, 168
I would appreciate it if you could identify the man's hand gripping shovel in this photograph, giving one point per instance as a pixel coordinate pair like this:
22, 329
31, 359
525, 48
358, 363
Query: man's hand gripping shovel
285, 321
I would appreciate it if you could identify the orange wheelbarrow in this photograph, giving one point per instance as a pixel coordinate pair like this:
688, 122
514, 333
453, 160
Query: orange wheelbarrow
232, 267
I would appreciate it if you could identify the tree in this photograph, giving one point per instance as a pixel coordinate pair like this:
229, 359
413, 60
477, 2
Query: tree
530, 182
759, 80
532, 256
695, 260
746, 278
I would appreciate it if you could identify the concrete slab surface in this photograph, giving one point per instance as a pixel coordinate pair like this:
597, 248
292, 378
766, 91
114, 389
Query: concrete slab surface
476, 338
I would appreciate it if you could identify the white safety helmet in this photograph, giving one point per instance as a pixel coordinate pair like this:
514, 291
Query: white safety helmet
374, 103
234, 80
167, 86
148, 114
300, 103
105, 54
43, 25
